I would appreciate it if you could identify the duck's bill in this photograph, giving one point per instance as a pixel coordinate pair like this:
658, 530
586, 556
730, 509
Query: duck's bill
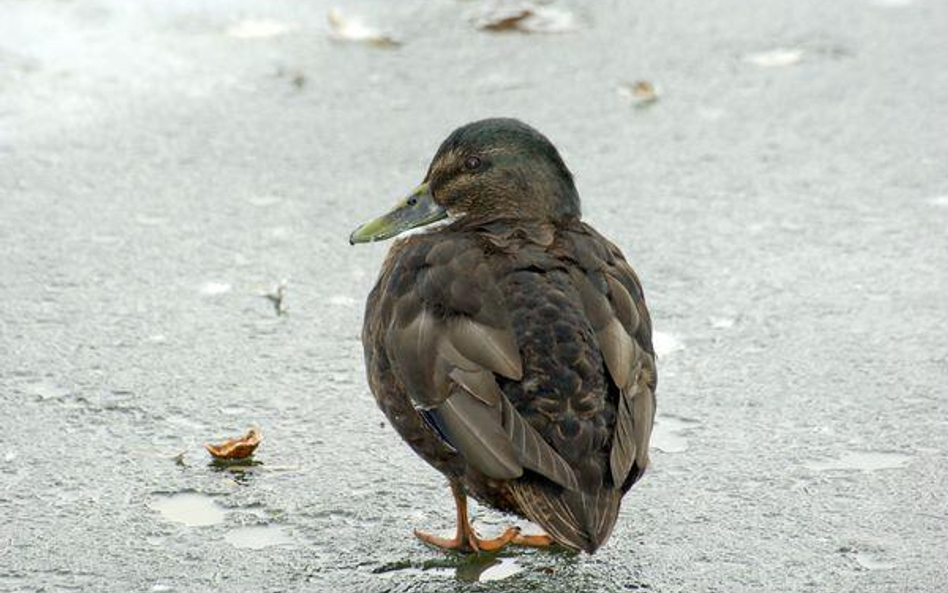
417, 210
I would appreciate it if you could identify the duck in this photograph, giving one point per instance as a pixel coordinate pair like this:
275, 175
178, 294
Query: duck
509, 343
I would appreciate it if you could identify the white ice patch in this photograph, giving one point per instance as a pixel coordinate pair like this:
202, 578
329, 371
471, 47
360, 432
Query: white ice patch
264, 201
338, 300
940, 201
257, 29
721, 322
775, 57
146, 220
215, 288
669, 435
872, 561
347, 28
664, 344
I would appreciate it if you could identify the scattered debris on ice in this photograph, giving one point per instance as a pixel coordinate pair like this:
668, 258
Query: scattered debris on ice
257, 29
775, 58
345, 28
277, 296
524, 17
641, 92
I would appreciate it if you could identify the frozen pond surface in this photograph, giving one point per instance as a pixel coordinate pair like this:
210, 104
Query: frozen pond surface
780, 186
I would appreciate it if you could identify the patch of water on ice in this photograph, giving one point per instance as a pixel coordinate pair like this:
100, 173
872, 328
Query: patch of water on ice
862, 461
191, 508
669, 435
257, 537
872, 561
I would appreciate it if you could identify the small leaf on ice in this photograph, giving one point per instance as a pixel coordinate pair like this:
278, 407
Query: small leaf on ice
525, 17
237, 448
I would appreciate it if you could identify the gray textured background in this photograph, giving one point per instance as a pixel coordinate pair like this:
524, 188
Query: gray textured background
790, 224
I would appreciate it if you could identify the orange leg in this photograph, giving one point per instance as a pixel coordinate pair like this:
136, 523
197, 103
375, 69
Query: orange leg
466, 539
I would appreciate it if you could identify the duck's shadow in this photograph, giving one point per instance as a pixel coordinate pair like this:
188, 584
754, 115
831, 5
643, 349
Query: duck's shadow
473, 568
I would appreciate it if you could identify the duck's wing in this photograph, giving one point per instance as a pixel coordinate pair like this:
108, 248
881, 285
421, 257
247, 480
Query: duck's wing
448, 336
615, 305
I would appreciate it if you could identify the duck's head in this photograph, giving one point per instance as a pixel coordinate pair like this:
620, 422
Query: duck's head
486, 170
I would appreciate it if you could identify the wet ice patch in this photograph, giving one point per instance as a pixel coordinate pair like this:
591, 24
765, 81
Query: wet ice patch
775, 58
191, 508
257, 29
215, 288
257, 537
872, 561
861, 461
349, 28
669, 435
45, 390
664, 344
872, 558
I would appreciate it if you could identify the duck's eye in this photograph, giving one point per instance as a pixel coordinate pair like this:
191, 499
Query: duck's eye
472, 163
412, 201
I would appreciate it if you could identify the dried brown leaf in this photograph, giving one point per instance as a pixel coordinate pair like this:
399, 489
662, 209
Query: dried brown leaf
236, 448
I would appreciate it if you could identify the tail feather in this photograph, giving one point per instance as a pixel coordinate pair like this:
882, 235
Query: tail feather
575, 519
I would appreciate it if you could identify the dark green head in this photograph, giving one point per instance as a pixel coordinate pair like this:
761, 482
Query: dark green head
485, 170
